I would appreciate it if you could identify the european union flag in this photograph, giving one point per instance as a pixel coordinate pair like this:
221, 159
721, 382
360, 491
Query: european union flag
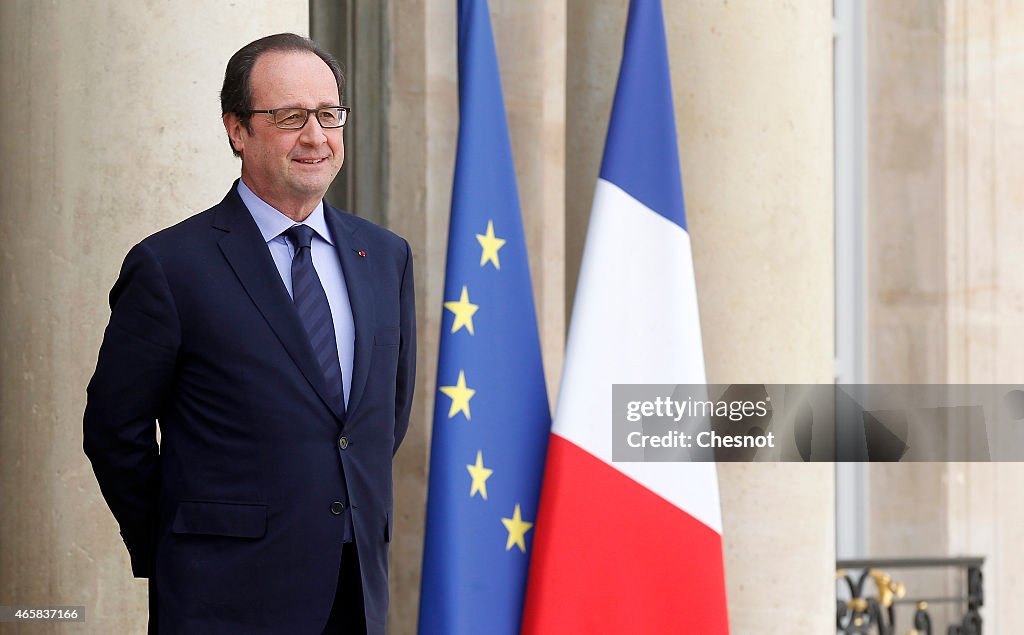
491, 416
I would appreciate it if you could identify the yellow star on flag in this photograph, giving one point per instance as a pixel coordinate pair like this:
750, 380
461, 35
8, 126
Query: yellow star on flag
480, 475
517, 529
463, 311
460, 396
491, 244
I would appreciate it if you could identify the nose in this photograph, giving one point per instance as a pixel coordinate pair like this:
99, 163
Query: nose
313, 133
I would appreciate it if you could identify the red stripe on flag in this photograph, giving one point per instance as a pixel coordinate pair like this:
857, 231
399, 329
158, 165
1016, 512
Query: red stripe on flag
611, 556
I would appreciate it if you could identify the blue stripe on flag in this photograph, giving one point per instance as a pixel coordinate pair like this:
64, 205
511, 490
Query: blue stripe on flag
640, 154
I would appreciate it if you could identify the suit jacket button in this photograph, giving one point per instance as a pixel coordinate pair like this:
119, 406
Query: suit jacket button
337, 507
343, 443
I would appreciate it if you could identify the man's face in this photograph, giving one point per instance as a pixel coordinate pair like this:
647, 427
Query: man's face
290, 169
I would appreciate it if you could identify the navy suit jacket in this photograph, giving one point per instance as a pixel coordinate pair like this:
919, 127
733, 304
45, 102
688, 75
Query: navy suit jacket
231, 515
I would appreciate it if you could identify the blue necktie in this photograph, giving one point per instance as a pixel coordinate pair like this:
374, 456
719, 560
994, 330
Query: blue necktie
314, 311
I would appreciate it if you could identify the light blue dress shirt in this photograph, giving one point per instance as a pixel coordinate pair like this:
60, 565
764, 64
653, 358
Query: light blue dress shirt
326, 260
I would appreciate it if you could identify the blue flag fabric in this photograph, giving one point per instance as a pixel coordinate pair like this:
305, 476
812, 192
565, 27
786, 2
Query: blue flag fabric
640, 154
491, 416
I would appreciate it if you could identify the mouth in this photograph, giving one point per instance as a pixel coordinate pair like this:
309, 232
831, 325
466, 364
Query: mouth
315, 161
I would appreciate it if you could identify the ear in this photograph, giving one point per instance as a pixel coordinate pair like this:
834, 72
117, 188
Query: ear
236, 130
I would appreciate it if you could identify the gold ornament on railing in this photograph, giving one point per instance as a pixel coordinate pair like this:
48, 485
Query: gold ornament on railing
887, 589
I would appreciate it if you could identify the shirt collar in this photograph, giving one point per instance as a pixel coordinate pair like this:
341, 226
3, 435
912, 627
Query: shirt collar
273, 223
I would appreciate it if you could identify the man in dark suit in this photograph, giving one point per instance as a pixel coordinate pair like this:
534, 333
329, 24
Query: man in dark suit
273, 338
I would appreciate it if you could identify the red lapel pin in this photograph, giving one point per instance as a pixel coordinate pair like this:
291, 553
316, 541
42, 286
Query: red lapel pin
360, 253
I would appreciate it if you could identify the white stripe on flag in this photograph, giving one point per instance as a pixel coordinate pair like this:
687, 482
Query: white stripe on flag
637, 264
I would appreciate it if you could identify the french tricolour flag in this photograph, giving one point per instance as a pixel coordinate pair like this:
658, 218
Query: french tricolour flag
629, 547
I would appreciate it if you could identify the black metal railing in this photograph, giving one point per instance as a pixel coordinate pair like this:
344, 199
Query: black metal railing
865, 614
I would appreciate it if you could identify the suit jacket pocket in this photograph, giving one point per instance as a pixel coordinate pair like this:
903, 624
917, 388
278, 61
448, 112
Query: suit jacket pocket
211, 518
387, 336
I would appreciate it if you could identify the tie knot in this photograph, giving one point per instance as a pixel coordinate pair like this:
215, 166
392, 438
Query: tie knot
300, 235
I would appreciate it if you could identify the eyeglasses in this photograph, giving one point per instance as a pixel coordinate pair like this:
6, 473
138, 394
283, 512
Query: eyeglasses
295, 118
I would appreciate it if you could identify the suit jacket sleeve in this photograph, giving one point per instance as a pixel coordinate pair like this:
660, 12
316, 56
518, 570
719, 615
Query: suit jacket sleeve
406, 379
134, 375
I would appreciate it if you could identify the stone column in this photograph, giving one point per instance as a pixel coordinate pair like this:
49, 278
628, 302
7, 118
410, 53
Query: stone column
752, 84
421, 131
112, 130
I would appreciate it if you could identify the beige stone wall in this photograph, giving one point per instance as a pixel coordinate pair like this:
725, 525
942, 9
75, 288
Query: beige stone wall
422, 133
111, 131
946, 275
906, 199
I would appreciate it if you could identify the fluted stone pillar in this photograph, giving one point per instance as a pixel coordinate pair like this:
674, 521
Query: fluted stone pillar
112, 130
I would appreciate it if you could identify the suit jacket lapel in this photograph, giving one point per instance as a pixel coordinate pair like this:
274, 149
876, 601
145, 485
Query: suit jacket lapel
357, 270
247, 253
